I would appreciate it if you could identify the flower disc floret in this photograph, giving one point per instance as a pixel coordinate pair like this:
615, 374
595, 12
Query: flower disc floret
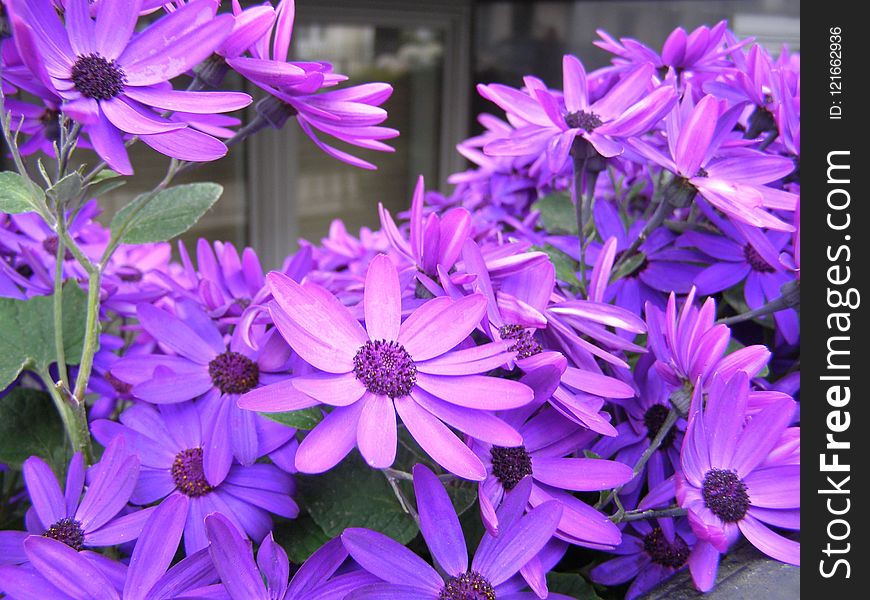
581, 119
69, 531
234, 373
98, 78
525, 345
661, 551
385, 368
725, 494
510, 465
758, 264
188, 474
468, 586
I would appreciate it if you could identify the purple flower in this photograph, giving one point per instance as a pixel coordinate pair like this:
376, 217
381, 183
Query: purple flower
648, 555
732, 482
746, 255
170, 440
110, 80
491, 573
549, 439
57, 572
203, 367
546, 123
78, 521
368, 374
243, 579
736, 183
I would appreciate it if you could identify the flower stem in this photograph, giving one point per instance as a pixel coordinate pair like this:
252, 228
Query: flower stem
652, 513
662, 211
406, 504
790, 298
58, 307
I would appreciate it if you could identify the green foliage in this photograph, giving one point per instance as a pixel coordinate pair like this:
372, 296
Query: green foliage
18, 195
28, 332
300, 537
166, 215
558, 214
572, 585
29, 425
305, 418
67, 189
566, 267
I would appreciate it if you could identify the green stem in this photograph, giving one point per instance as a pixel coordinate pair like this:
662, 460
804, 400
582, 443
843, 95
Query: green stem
658, 217
58, 307
79, 436
637, 515
406, 504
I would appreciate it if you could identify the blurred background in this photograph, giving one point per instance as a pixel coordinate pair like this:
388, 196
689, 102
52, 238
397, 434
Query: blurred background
280, 187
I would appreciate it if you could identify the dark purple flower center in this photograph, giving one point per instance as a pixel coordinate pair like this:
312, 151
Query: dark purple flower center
755, 261
663, 552
69, 531
50, 245
581, 119
129, 274
122, 387
468, 586
234, 373
510, 465
525, 344
654, 418
98, 78
725, 494
385, 368
188, 475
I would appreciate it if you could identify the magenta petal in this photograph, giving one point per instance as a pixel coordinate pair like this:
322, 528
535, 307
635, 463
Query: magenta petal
187, 144
580, 474
190, 102
233, 560
68, 570
761, 435
111, 488
574, 80
44, 491
75, 481
596, 384
477, 391
243, 433
439, 523
389, 560
334, 390
776, 487
469, 361
156, 547
330, 440
175, 334
109, 144
772, 544
318, 568
478, 424
619, 570
12, 547
439, 325
281, 396
439, 442
132, 119
168, 387
383, 300
376, 432
695, 136
115, 24
703, 564
119, 531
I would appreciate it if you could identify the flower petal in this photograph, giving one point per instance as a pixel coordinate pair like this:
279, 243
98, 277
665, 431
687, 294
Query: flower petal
44, 491
68, 570
477, 391
330, 440
383, 300
389, 560
156, 546
439, 523
233, 559
376, 432
439, 325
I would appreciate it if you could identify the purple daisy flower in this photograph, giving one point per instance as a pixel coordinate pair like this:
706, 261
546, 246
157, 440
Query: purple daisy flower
58, 573
265, 579
79, 521
549, 440
746, 255
730, 483
110, 80
206, 368
491, 573
170, 439
549, 124
369, 374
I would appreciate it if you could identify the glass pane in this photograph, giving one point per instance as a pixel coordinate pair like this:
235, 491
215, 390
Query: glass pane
408, 58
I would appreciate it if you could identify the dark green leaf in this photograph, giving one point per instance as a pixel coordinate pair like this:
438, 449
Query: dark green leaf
305, 418
28, 332
169, 213
18, 195
105, 181
572, 585
30, 426
355, 495
629, 266
566, 267
300, 537
558, 214
68, 188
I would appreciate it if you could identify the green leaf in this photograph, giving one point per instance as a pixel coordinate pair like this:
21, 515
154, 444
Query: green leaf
67, 189
558, 213
305, 418
629, 266
300, 537
28, 332
168, 214
18, 195
30, 426
572, 585
355, 495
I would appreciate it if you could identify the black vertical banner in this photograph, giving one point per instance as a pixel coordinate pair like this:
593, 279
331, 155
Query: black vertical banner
835, 363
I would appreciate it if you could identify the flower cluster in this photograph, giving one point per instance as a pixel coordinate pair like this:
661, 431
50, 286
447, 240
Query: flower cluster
592, 341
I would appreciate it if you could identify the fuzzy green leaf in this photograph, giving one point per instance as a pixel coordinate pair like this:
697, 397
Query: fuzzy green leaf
305, 418
30, 426
18, 195
168, 214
